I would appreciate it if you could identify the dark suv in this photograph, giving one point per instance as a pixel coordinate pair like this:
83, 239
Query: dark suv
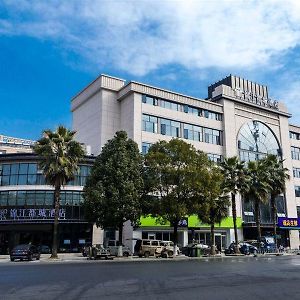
25, 251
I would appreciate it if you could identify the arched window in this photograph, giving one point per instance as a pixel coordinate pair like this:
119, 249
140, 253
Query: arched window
256, 140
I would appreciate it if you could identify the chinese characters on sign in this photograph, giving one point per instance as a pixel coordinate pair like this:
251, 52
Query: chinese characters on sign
289, 223
30, 213
256, 99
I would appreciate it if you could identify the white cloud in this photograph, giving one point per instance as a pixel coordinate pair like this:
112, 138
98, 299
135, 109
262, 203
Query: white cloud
142, 36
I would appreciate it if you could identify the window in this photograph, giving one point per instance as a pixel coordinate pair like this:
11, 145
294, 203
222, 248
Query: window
145, 147
295, 153
170, 105
170, 128
192, 132
294, 135
298, 211
149, 123
149, 100
297, 191
173, 128
296, 172
215, 157
193, 110
212, 136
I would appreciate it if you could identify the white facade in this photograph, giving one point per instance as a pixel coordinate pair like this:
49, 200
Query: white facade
110, 104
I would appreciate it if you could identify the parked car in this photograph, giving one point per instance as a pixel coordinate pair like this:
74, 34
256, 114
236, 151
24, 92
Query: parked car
98, 251
148, 248
25, 251
44, 249
245, 248
113, 247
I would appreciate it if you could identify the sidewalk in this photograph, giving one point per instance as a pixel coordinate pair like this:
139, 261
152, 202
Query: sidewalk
77, 257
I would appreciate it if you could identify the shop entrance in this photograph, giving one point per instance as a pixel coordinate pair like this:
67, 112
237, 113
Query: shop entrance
72, 237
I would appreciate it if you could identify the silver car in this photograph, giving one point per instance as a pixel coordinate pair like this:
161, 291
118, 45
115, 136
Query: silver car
113, 247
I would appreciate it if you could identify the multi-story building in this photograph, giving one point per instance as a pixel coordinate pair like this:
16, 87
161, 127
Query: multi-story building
27, 201
237, 118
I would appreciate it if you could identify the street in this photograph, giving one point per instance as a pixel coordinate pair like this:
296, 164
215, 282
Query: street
226, 278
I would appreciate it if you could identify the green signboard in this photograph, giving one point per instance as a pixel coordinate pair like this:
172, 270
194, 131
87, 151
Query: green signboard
193, 221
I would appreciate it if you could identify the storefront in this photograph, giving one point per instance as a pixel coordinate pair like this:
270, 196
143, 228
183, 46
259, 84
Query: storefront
27, 210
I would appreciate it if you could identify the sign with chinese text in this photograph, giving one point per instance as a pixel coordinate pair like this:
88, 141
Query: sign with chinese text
19, 214
255, 98
289, 223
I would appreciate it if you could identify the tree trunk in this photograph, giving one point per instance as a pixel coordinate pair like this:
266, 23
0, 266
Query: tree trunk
56, 218
212, 239
120, 247
257, 220
175, 227
236, 241
274, 219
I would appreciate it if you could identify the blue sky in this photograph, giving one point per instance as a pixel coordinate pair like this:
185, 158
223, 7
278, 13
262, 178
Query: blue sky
49, 50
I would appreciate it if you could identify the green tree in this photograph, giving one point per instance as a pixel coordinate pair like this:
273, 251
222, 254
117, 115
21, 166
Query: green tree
235, 181
170, 171
59, 156
213, 203
277, 176
112, 193
258, 190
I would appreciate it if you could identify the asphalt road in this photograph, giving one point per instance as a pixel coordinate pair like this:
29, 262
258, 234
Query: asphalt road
227, 278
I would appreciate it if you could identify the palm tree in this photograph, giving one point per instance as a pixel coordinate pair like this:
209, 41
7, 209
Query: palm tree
277, 175
235, 181
59, 156
213, 207
258, 191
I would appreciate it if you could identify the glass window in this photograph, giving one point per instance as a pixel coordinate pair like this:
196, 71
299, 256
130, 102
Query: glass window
170, 128
296, 172
40, 198
13, 180
49, 198
21, 197
192, 132
145, 147
23, 169
3, 198
69, 196
6, 169
31, 179
76, 198
215, 157
22, 179
297, 191
294, 135
258, 139
30, 198
295, 153
32, 168
5, 180
12, 198
149, 123
14, 169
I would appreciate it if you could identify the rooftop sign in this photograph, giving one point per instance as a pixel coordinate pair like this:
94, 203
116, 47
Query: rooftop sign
9, 141
255, 98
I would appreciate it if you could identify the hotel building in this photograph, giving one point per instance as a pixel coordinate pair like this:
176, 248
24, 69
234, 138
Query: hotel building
237, 118
26, 201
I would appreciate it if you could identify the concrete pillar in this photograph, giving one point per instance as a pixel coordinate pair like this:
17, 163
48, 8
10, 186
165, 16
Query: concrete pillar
97, 235
185, 237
